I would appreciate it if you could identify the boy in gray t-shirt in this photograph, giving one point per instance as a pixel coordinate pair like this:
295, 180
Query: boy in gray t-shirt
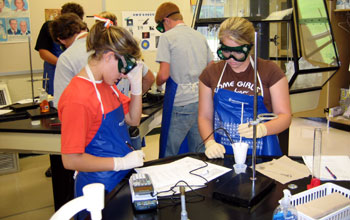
183, 53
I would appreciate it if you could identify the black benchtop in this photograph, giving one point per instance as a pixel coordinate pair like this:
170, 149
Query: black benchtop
21, 121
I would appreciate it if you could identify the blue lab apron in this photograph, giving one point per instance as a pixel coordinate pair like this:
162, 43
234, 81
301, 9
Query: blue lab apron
49, 70
227, 114
168, 103
109, 141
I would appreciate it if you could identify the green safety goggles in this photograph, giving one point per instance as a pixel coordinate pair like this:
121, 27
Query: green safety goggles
239, 53
160, 25
126, 64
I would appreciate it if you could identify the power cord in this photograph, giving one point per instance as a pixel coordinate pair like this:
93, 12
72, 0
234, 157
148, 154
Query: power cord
220, 128
175, 199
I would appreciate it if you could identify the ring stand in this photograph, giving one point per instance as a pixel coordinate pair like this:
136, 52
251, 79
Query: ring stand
238, 189
33, 104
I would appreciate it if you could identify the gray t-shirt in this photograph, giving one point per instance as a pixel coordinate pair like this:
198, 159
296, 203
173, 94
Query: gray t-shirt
188, 53
69, 64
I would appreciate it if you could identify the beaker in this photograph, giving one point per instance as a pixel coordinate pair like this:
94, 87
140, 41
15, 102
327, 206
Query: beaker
317, 151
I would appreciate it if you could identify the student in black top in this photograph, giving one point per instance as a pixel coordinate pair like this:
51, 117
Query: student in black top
49, 51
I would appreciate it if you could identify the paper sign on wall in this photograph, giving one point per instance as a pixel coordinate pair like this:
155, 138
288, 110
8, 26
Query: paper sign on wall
14, 21
143, 27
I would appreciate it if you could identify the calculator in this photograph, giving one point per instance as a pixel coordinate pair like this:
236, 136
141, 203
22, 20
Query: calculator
142, 192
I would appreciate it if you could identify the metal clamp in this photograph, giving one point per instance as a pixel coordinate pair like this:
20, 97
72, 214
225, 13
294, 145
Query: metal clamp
263, 117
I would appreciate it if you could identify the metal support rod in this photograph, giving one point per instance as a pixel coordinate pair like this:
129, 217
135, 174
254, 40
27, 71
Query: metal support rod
31, 68
183, 204
255, 103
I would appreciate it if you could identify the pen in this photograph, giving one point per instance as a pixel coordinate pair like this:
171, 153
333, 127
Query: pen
129, 145
330, 172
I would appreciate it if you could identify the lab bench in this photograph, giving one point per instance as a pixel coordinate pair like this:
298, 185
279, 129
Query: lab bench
204, 204
21, 136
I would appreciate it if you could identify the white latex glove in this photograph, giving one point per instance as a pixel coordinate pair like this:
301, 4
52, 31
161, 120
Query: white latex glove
129, 161
246, 130
135, 79
214, 150
160, 88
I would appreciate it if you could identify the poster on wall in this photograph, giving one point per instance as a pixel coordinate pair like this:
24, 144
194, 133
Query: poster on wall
142, 26
51, 14
14, 21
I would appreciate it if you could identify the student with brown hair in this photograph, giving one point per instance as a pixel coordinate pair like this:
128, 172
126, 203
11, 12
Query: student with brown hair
182, 53
49, 51
70, 31
94, 113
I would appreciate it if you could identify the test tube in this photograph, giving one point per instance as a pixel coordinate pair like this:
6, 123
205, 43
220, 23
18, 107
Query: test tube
317, 151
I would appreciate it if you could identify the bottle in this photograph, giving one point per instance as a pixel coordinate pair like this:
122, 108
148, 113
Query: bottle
285, 211
44, 103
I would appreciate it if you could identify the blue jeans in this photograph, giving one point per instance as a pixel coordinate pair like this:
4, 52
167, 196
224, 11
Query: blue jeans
184, 121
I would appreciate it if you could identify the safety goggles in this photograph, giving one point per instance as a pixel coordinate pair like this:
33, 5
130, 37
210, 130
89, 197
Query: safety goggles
239, 53
126, 64
160, 25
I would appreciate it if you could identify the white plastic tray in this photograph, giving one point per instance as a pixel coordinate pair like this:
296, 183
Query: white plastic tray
318, 192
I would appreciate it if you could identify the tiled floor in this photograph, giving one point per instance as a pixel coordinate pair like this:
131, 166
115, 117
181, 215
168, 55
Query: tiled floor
27, 195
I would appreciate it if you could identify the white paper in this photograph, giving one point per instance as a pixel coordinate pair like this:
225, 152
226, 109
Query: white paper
5, 111
167, 175
338, 165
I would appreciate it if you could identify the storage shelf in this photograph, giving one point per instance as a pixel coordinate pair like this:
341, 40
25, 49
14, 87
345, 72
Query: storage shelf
342, 10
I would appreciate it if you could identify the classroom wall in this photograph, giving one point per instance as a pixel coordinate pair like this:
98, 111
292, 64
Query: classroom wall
117, 6
14, 57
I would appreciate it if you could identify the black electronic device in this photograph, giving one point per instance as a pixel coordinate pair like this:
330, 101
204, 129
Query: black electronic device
142, 192
240, 190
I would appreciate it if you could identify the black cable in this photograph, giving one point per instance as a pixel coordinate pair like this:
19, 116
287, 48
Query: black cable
206, 165
182, 181
226, 132
174, 199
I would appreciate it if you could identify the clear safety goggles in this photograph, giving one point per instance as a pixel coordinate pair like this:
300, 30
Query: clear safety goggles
239, 53
126, 64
